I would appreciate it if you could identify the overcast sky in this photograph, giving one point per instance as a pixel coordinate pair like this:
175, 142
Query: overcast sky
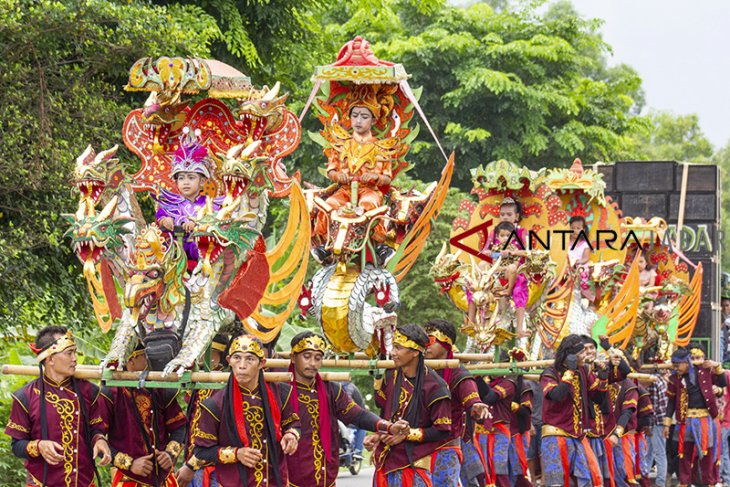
681, 50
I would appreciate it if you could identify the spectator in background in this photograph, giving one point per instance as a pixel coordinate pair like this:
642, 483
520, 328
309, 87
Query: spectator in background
657, 451
724, 416
533, 452
725, 309
352, 390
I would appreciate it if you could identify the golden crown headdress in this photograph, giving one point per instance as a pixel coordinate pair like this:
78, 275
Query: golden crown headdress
247, 344
312, 342
439, 335
59, 345
405, 342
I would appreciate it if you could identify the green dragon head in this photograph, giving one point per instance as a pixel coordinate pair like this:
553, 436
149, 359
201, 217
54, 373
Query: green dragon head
263, 111
93, 175
91, 235
216, 232
241, 171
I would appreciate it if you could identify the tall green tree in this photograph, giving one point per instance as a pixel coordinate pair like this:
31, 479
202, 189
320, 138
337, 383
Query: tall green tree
673, 138
722, 158
512, 84
60, 89
65, 64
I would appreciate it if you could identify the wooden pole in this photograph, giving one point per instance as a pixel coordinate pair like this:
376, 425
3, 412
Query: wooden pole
656, 366
639, 377
93, 373
529, 364
463, 357
696, 363
344, 363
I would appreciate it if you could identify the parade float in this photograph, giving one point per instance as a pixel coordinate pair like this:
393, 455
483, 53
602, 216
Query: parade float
604, 295
365, 231
138, 274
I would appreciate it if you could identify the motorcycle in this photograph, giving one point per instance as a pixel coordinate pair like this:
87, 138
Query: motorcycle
349, 457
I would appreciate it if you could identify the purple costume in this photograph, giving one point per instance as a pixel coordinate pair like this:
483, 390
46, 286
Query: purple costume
181, 210
190, 157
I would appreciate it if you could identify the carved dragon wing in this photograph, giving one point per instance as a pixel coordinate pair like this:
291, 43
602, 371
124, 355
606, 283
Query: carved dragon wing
689, 309
618, 317
288, 266
555, 312
414, 241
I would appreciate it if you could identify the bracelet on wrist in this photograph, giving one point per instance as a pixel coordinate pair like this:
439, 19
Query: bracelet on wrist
293, 432
415, 435
123, 461
32, 448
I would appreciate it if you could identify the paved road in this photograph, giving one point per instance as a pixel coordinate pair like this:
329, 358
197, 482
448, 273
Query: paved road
364, 479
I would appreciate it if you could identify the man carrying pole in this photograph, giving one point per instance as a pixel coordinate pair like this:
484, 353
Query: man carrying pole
569, 393
417, 394
247, 427
146, 430
457, 459
55, 423
602, 417
693, 402
194, 472
319, 405
510, 404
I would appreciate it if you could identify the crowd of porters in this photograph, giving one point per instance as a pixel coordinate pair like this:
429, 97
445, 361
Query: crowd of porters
585, 423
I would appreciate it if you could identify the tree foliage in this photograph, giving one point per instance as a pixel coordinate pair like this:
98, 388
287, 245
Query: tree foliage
60, 90
514, 85
499, 80
673, 138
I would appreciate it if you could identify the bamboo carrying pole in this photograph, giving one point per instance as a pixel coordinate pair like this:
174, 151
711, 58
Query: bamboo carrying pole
656, 366
696, 363
637, 376
529, 364
93, 373
462, 357
365, 364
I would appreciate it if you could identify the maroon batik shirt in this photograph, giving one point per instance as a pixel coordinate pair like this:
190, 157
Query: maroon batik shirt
213, 438
570, 414
312, 467
65, 424
162, 419
433, 415
464, 395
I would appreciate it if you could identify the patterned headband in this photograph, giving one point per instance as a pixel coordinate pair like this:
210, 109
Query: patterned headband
59, 345
405, 342
313, 342
247, 344
440, 336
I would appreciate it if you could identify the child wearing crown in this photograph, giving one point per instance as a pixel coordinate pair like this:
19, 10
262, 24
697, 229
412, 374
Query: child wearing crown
190, 170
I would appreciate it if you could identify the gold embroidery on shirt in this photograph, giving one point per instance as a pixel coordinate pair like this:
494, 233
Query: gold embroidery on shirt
16, 426
144, 406
312, 404
683, 403
195, 431
577, 400
255, 422
471, 396
66, 409
349, 406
